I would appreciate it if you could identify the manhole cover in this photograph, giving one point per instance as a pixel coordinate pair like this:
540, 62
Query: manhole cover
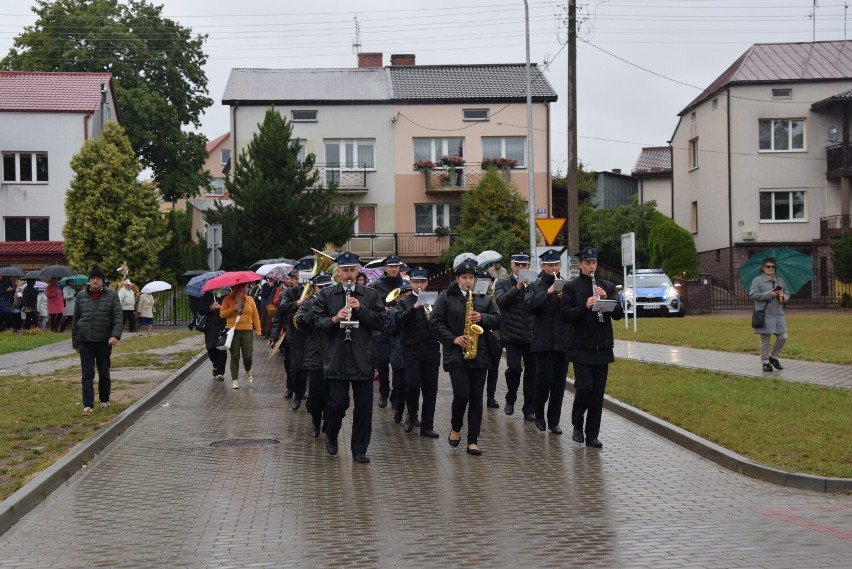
244, 443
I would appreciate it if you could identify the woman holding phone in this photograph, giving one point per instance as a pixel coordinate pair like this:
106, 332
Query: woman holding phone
769, 294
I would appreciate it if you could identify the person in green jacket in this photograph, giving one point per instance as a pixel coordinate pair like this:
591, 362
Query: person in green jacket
97, 328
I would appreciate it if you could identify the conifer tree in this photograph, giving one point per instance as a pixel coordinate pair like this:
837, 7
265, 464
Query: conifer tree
280, 209
112, 218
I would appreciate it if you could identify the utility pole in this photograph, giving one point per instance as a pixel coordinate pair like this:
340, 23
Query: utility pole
573, 225
531, 157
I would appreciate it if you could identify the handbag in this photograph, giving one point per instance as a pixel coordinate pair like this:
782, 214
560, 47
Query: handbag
200, 323
226, 336
758, 317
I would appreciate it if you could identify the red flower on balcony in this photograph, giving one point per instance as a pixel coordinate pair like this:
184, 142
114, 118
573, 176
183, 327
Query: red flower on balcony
453, 161
499, 163
424, 165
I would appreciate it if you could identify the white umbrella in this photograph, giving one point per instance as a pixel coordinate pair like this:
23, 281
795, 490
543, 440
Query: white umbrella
264, 270
488, 257
463, 257
40, 285
156, 286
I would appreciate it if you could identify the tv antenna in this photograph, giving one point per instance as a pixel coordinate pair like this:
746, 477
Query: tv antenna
356, 43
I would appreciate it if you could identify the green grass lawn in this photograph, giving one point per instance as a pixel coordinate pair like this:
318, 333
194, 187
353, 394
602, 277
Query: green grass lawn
15, 342
795, 427
822, 337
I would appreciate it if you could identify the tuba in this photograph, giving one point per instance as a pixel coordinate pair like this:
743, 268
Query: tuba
471, 330
322, 262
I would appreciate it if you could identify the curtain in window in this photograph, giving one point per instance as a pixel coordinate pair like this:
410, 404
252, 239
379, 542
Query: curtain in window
491, 147
515, 149
332, 154
423, 218
366, 155
423, 149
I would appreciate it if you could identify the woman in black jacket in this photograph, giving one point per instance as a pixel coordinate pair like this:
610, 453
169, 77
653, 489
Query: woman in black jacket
467, 376
209, 306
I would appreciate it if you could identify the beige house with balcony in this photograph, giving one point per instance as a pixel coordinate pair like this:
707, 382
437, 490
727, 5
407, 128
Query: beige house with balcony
752, 158
368, 126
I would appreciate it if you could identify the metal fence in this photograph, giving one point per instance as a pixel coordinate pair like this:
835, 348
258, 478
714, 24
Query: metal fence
172, 308
824, 291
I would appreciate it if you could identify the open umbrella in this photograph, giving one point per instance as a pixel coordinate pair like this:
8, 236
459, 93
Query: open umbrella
40, 285
32, 275
193, 287
488, 257
57, 271
279, 273
76, 280
231, 278
11, 272
156, 286
463, 257
194, 273
794, 268
264, 270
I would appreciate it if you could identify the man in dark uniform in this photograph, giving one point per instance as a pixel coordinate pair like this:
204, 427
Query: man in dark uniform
294, 342
421, 353
383, 286
348, 353
591, 344
313, 360
549, 342
516, 325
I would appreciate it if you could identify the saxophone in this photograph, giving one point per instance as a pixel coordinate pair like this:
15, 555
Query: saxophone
471, 330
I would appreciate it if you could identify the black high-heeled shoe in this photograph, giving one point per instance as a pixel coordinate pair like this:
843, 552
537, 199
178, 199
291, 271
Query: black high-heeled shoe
453, 442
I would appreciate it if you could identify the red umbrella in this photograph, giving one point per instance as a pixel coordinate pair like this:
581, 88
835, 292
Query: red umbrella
231, 278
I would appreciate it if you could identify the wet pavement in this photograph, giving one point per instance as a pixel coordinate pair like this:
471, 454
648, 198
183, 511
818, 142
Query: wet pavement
162, 496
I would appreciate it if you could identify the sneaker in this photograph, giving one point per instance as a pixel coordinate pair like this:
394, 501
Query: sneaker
775, 363
767, 366
249, 377
87, 410
235, 384
220, 377
104, 404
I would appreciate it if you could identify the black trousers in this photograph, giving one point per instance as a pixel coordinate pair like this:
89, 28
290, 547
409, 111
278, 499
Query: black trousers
362, 417
55, 319
299, 381
382, 365
550, 370
129, 318
219, 359
66, 321
399, 391
95, 354
468, 387
515, 354
493, 372
421, 376
316, 395
589, 386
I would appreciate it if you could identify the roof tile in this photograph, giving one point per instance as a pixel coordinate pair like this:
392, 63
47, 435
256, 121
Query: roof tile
37, 91
653, 161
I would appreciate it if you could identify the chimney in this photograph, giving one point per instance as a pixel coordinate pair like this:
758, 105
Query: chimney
370, 59
402, 59
616, 170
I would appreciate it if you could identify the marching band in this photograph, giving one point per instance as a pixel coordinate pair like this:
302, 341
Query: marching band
339, 335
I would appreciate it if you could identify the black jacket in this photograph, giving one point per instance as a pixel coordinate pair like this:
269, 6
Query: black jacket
215, 323
418, 339
384, 286
283, 318
591, 340
348, 360
447, 323
516, 322
314, 342
550, 333
96, 320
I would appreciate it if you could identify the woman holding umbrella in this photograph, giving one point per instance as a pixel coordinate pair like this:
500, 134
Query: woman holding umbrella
769, 293
239, 304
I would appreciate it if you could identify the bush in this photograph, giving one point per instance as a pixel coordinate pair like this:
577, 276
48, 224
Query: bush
672, 248
841, 258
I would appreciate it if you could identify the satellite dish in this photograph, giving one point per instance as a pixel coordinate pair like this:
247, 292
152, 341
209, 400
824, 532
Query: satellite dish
832, 133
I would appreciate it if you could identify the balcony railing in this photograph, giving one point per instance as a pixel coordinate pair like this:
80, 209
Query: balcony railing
457, 179
346, 179
839, 161
834, 226
411, 245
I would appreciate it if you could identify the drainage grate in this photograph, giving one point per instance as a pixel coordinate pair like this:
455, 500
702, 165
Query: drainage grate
244, 443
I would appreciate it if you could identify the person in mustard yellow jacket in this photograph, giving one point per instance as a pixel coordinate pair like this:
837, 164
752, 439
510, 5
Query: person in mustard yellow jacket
240, 303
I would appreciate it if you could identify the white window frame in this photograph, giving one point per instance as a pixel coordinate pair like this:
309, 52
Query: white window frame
34, 167
222, 159
789, 122
356, 144
785, 93
439, 147
28, 232
694, 154
468, 115
521, 163
437, 220
314, 119
790, 194
217, 190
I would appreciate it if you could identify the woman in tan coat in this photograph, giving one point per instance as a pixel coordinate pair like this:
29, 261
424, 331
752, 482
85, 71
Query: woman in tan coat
238, 303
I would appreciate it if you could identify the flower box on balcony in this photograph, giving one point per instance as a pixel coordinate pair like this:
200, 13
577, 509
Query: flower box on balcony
452, 161
425, 165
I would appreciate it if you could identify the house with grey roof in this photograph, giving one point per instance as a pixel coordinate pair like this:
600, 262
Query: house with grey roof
369, 126
653, 172
759, 160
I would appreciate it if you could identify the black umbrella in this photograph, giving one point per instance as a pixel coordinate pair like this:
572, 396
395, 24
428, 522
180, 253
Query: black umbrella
11, 272
195, 272
32, 275
56, 271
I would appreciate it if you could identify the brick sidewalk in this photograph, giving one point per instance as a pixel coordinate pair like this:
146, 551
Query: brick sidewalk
161, 496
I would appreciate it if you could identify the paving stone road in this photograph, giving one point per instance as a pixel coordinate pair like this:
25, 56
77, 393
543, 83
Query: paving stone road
162, 496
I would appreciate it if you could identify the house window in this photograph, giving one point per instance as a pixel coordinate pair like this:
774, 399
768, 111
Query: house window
475, 114
303, 152
25, 167
513, 147
715, 104
433, 148
782, 93
366, 221
693, 154
352, 153
225, 156
429, 216
694, 217
303, 116
218, 187
779, 135
782, 205
27, 229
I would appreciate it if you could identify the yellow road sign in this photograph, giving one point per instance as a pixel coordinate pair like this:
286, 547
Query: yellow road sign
550, 228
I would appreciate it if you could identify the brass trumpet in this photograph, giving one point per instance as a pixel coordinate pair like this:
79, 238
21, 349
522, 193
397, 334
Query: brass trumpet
322, 262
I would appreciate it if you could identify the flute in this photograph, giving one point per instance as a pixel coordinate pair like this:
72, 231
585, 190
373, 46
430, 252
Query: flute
597, 296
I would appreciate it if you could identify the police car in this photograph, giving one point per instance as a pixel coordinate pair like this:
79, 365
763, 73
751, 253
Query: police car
655, 293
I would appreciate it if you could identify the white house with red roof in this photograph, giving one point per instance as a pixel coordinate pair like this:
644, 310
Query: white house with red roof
45, 118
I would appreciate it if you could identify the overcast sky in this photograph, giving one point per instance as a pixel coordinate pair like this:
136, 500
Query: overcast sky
639, 62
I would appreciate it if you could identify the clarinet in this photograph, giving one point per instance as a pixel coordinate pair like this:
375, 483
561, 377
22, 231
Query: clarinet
597, 297
348, 324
